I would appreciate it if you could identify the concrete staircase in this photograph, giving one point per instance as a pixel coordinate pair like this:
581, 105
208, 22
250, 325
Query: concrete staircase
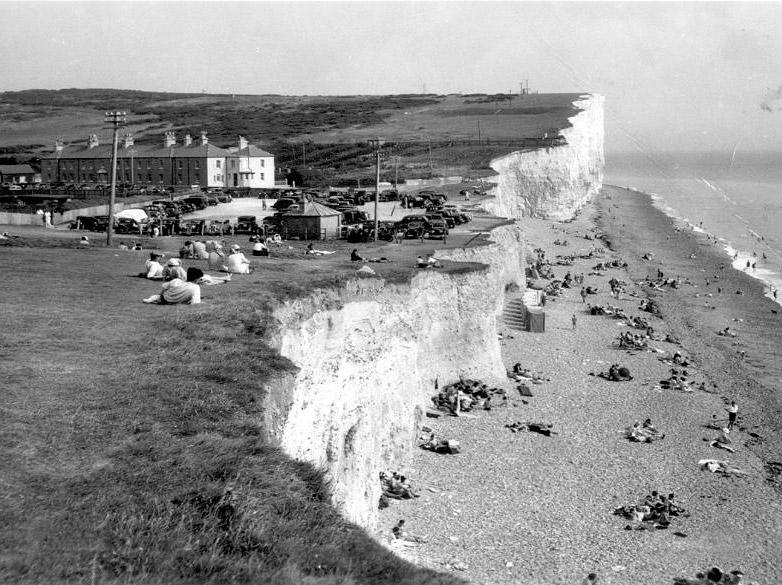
513, 315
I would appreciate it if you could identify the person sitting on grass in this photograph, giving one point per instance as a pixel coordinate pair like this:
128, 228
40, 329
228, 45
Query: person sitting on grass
200, 251
432, 262
173, 269
356, 257
187, 250
237, 262
178, 291
259, 247
421, 263
153, 270
85, 241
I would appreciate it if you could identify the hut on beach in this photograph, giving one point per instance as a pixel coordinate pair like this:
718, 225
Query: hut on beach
309, 220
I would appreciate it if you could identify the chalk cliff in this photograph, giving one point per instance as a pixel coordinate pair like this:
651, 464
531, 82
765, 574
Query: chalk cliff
554, 183
368, 357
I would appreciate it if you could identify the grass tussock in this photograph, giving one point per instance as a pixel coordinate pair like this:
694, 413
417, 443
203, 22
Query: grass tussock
132, 450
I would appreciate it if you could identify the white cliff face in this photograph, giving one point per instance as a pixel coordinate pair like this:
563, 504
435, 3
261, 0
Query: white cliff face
554, 183
368, 359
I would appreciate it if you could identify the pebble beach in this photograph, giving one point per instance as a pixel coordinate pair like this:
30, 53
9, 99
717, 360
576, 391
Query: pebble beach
534, 509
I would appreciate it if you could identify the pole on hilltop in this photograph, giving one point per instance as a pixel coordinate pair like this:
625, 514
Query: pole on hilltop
377, 144
116, 119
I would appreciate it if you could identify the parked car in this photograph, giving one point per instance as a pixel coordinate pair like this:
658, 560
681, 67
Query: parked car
389, 195
283, 204
353, 215
246, 224
126, 225
437, 229
199, 201
449, 221
98, 223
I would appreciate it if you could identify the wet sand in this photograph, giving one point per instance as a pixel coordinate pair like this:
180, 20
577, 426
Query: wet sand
525, 508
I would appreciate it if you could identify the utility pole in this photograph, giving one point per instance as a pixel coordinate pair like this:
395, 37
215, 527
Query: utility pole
479, 131
396, 172
116, 119
377, 143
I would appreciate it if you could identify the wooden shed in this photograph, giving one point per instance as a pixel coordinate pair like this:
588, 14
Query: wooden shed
309, 220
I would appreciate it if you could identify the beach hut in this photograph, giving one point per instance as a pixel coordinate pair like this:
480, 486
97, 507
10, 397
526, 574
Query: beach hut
309, 220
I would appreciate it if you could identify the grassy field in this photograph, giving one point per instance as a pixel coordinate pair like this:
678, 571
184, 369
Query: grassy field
131, 446
326, 137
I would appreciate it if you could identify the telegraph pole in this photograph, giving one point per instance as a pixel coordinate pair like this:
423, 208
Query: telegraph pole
377, 144
116, 119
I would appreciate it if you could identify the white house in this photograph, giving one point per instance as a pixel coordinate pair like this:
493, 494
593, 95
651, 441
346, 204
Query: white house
248, 166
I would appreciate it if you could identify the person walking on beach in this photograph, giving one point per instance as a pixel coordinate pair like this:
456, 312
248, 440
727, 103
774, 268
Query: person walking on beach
574, 321
733, 411
583, 295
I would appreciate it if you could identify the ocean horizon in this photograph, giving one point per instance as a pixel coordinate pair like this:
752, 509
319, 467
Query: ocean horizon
734, 197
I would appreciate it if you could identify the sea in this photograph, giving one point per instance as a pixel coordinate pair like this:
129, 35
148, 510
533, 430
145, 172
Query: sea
733, 197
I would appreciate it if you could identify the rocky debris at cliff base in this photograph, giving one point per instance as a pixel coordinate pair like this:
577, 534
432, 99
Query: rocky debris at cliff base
466, 395
441, 446
532, 427
652, 511
715, 576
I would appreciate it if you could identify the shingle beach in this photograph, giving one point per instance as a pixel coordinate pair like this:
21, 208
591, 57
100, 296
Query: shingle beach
534, 509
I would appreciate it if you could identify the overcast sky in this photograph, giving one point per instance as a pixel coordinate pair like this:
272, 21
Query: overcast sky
675, 75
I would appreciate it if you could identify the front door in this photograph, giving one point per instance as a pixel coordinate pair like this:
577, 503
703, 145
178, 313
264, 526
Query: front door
236, 180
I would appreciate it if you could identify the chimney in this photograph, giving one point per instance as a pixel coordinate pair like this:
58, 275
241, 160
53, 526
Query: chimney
127, 140
188, 140
92, 141
204, 139
242, 143
59, 144
170, 140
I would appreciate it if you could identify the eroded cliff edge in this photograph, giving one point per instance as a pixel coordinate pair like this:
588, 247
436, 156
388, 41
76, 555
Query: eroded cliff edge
554, 183
368, 356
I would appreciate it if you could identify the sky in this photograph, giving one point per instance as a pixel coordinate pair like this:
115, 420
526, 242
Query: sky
676, 76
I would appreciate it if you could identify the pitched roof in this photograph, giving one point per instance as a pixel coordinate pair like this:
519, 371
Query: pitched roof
195, 150
17, 170
251, 151
310, 209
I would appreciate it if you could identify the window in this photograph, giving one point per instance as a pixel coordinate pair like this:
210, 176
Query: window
160, 178
197, 178
197, 165
127, 177
140, 177
179, 165
218, 163
233, 164
261, 176
160, 163
149, 177
263, 163
179, 177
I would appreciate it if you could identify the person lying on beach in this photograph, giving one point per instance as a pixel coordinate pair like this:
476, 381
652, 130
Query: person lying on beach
400, 533
722, 441
355, 256
727, 332
432, 262
719, 466
315, 252
533, 427
714, 576
615, 374
591, 290
639, 433
396, 486
441, 446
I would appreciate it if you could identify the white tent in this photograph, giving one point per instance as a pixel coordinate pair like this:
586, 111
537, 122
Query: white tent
138, 214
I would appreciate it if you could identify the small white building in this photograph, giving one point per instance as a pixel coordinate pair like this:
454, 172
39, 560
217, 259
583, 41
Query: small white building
249, 166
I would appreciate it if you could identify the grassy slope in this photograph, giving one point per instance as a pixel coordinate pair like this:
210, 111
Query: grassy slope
131, 450
285, 125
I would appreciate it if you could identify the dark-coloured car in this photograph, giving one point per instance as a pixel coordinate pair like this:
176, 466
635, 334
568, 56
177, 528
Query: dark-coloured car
437, 229
246, 224
98, 223
449, 221
199, 201
283, 204
127, 225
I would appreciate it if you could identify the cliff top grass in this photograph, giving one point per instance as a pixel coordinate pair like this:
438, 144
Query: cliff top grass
131, 445
133, 448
